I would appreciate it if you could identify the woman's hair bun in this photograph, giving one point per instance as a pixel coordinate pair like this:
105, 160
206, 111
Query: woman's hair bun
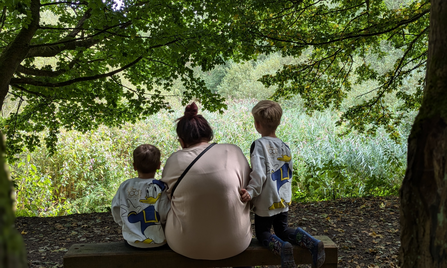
191, 110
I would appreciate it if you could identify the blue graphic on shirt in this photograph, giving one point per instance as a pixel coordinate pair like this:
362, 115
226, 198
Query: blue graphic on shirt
147, 217
282, 176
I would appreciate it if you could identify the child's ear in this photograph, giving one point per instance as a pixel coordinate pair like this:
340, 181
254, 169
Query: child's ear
159, 164
134, 168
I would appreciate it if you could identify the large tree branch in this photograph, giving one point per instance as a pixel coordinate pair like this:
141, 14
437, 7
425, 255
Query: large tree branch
366, 32
16, 51
29, 91
51, 50
28, 81
45, 73
81, 22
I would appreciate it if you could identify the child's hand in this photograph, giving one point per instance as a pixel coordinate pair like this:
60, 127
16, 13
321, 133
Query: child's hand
245, 196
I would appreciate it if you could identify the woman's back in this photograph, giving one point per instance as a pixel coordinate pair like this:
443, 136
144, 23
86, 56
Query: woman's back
207, 219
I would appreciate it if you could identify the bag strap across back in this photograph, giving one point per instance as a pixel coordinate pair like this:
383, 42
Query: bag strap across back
189, 167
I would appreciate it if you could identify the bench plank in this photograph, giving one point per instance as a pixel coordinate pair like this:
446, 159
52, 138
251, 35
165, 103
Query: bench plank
117, 254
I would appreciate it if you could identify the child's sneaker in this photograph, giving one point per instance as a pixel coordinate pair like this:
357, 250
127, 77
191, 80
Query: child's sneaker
283, 249
315, 246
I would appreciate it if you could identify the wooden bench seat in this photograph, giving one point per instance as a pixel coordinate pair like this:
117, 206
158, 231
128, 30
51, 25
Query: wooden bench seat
117, 254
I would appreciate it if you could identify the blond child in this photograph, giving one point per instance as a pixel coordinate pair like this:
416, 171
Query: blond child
140, 205
270, 192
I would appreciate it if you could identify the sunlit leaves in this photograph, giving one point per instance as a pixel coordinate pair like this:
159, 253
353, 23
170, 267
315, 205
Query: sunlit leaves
344, 36
109, 65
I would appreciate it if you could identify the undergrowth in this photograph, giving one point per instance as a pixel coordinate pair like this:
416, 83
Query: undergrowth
87, 168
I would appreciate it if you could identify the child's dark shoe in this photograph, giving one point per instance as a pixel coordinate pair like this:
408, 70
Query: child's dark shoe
315, 246
283, 249
287, 260
318, 254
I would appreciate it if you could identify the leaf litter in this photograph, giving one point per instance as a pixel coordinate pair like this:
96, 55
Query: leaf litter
366, 231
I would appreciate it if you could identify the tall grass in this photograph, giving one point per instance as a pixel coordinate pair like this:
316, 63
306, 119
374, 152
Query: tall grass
87, 168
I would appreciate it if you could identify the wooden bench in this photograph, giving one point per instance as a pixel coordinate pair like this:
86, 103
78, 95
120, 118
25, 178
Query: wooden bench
117, 254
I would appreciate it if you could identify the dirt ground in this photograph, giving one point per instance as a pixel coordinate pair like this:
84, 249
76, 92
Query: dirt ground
366, 231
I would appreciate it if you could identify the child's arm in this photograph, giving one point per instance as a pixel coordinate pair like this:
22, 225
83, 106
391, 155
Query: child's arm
116, 208
258, 173
164, 205
245, 196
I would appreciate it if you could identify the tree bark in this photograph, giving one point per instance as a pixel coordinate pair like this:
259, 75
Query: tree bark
12, 250
423, 195
16, 51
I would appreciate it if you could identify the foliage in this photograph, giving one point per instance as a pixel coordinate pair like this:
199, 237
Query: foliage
352, 167
346, 38
87, 168
98, 46
241, 79
35, 192
114, 62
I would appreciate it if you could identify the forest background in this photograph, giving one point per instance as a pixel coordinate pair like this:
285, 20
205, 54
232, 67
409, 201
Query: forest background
84, 169
329, 163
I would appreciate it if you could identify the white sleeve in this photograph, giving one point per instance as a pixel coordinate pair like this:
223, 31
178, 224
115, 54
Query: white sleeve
258, 171
164, 205
116, 208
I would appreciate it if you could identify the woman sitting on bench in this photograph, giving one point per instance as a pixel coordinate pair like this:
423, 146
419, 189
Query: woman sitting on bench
207, 219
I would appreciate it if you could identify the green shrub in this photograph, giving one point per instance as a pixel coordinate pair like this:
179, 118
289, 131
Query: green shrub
35, 192
87, 168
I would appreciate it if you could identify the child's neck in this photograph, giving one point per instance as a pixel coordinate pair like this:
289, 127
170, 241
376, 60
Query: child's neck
269, 134
150, 175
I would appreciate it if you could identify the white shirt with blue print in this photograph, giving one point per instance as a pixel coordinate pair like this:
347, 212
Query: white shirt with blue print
140, 206
271, 176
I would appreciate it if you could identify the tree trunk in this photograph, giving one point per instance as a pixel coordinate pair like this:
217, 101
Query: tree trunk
17, 50
423, 195
12, 250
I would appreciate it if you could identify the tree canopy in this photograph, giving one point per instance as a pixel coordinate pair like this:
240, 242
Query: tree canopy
99, 46
96, 45
343, 37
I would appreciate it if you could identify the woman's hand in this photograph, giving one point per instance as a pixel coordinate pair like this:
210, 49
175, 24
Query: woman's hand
245, 196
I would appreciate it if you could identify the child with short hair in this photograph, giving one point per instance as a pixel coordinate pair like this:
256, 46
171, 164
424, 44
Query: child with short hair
270, 189
141, 205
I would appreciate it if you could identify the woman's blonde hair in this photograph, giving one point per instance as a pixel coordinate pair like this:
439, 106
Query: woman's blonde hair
268, 113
